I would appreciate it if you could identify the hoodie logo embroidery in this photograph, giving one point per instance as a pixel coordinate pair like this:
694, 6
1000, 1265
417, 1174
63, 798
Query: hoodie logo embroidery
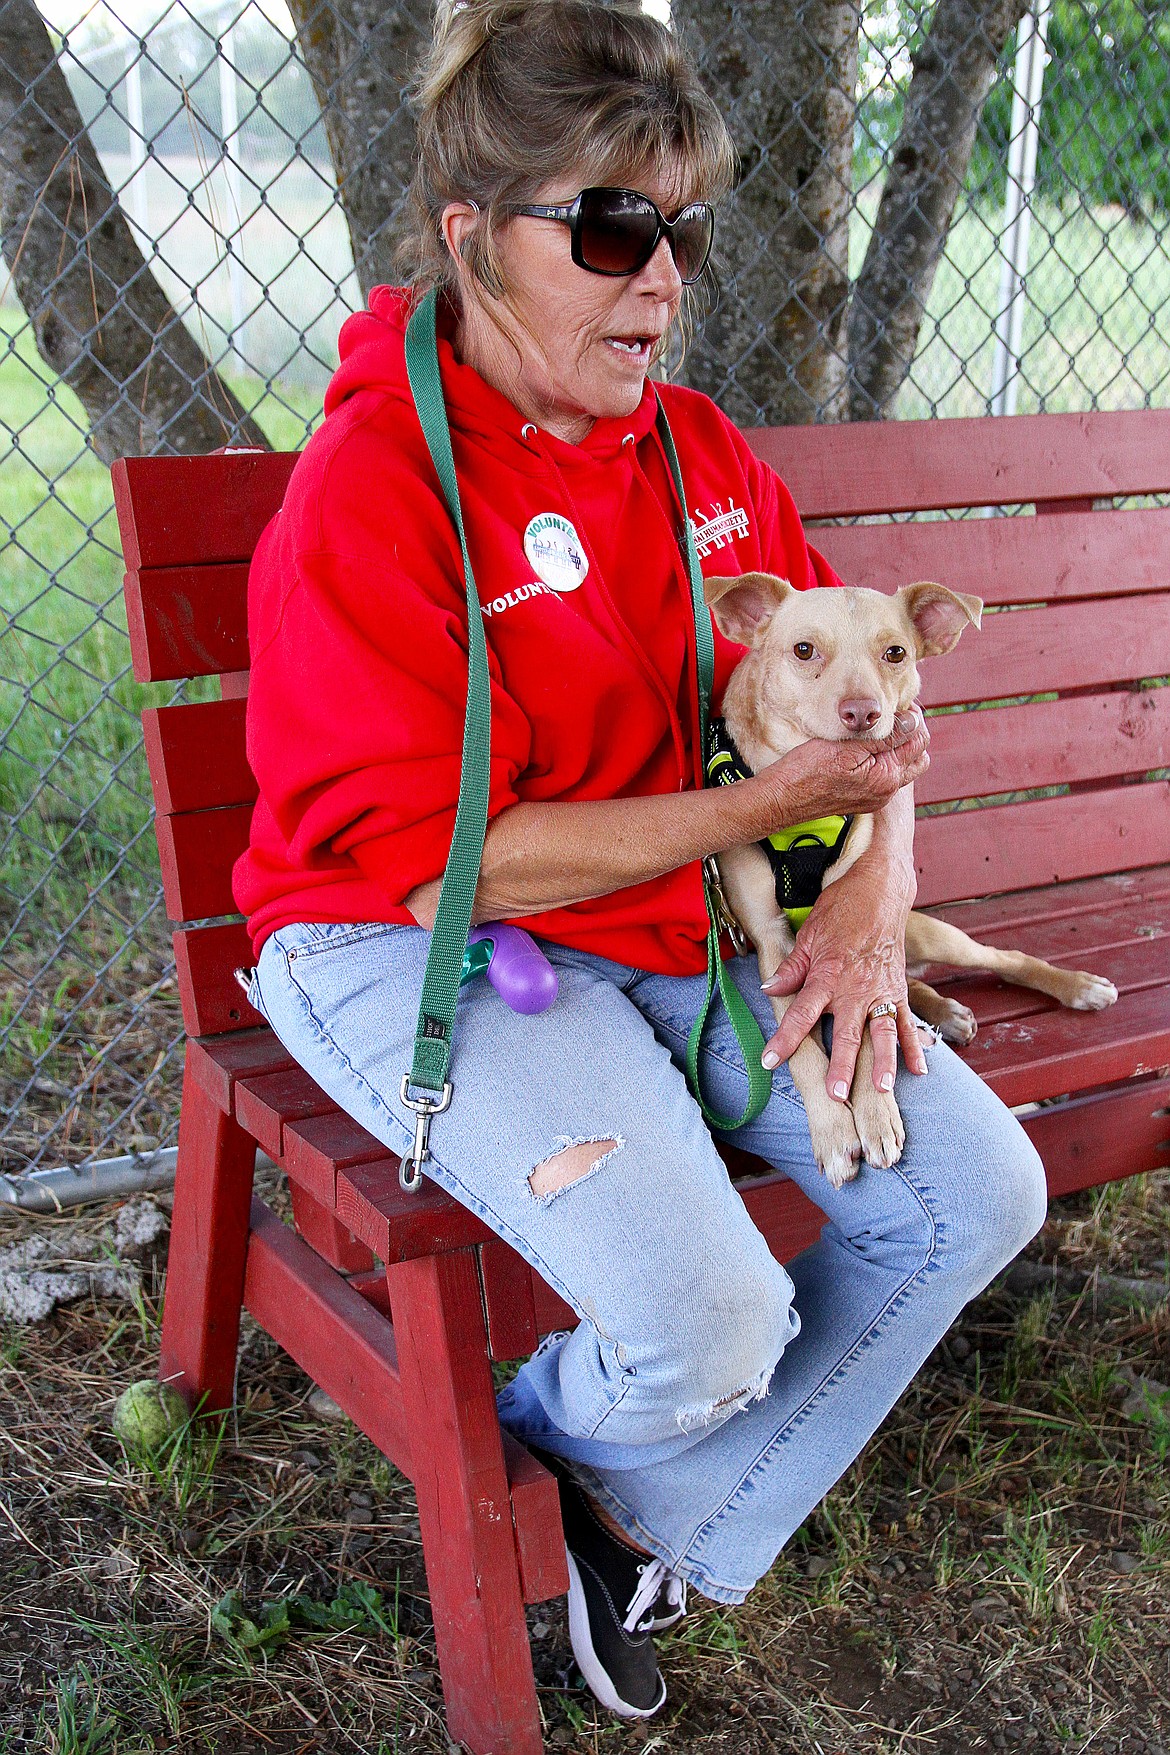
510, 599
717, 528
555, 551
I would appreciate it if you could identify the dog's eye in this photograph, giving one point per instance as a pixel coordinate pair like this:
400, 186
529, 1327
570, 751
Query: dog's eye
804, 649
894, 654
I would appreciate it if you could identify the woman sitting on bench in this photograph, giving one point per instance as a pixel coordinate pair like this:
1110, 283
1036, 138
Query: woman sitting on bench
708, 1399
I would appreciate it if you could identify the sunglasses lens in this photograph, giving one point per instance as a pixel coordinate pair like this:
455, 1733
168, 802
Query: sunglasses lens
693, 232
618, 230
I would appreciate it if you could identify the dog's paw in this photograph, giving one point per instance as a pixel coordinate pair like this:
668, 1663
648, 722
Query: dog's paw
836, 1146
1090, 993
956, 1023
879, 1127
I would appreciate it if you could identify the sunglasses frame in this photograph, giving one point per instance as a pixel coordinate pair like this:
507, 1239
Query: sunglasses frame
569, 213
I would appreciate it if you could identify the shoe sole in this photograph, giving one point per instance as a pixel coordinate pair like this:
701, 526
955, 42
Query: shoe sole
597, 1677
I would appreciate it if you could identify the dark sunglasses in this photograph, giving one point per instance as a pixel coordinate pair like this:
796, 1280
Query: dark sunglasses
616, 231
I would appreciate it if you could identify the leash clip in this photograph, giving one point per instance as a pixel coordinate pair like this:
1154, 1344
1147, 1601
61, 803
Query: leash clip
725, 918
410, 1173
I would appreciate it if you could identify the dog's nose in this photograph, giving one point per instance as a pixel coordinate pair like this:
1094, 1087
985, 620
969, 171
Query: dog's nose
859, 714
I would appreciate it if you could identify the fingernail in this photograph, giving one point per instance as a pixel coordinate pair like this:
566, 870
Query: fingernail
887, 1081
840, 1089
770, 1058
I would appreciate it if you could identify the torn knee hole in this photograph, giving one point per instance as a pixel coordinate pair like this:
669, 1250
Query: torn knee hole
577, 1159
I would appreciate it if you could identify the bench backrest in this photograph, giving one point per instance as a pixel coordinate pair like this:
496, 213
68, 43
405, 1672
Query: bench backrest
1080, 596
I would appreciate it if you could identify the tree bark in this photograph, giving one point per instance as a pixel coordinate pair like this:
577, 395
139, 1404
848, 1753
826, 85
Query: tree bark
101, 320
359, 54
784, 73
952, 72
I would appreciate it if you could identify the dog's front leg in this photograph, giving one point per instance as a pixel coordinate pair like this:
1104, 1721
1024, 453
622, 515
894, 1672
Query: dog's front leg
750, 889
876, 1113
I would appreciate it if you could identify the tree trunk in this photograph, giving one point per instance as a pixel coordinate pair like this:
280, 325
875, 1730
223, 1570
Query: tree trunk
953, 69
101, 320
359, 54
784, 73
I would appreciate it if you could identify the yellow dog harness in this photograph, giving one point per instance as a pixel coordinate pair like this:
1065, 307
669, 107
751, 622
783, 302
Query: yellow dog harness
799, 856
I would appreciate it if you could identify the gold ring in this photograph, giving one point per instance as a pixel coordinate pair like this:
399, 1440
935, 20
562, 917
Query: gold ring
885, 1008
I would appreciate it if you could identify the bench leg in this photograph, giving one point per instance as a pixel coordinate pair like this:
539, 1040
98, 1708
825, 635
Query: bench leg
464, 1512
209, 1243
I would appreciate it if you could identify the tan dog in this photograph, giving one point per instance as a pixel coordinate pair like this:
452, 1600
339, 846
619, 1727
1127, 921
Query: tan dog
840, 663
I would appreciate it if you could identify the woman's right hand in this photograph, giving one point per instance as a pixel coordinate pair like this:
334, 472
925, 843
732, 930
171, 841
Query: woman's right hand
827, 777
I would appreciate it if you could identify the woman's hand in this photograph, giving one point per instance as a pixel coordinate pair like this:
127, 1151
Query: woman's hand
825, 777
850, 954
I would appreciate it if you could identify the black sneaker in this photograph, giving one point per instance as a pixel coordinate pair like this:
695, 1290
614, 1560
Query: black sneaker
612, 1592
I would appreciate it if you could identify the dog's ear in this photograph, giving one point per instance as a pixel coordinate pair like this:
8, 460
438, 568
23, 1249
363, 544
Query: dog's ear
939, 616
743, 606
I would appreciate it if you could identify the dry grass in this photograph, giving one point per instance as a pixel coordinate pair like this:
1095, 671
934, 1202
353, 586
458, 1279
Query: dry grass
991, 1574
92, 1058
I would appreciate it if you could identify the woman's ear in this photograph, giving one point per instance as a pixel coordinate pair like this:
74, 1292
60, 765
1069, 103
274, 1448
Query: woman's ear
743, 606
939, 616
458, 222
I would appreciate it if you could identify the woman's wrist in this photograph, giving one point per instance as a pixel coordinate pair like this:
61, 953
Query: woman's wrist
892, 846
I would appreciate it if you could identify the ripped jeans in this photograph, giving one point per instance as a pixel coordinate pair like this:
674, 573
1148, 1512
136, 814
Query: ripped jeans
709, 1398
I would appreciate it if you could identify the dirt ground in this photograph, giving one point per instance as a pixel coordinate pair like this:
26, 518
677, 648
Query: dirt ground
991, 1574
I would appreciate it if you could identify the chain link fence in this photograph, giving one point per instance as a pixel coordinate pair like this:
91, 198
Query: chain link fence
222, 146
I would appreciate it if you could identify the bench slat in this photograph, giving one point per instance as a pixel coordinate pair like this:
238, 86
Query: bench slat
1000, 916
212, 999
196, 851
320, 1145
1046, 743
265, 1103
1067, 646
1072, 938
187, 621
398, 1226
196, 754
1049, 840
1008, 560
189, 511
915, 466
1091, 1140
1061, 1051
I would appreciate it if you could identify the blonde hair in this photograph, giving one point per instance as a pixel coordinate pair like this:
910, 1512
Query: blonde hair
509, 88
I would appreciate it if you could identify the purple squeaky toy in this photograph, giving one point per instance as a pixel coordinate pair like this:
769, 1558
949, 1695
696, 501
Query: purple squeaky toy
520, 973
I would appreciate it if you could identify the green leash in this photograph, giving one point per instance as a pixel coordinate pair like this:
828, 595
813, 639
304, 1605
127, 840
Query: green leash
440, 991
747, 1032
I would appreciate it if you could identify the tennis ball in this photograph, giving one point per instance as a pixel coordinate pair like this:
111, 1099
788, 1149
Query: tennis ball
147, 1414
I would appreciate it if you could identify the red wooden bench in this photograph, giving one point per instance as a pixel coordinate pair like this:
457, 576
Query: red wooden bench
397, 1304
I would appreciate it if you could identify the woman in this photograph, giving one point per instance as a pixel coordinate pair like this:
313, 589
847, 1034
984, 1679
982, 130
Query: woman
707, 1400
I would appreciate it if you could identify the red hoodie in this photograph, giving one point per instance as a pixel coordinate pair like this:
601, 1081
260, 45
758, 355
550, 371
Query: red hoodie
357, 627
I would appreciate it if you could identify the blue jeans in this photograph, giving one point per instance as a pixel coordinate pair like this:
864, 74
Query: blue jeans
709, 1398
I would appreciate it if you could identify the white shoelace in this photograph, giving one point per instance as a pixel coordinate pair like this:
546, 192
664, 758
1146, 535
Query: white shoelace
676, 1592
650, 1576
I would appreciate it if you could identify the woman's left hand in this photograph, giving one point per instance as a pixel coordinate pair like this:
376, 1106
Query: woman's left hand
849, 956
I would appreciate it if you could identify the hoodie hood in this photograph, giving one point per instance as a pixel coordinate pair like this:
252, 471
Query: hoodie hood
372, 349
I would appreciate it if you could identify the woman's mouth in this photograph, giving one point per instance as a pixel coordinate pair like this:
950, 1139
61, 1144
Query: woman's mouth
636, 348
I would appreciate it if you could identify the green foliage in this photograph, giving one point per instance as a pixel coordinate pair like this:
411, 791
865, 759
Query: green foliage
356, 1607
72, 1721
1106, 109
1105, 113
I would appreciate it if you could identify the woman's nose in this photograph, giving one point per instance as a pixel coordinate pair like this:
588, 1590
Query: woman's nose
661, 273
859, 713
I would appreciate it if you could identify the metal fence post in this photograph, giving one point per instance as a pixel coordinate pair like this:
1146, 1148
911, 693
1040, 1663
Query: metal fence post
1027, 94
